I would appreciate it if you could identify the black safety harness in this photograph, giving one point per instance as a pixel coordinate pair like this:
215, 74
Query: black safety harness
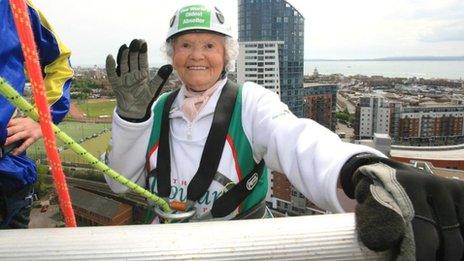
211, 156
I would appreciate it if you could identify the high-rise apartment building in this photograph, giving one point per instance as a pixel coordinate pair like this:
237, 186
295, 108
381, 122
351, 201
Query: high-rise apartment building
275, 20
259, 62
271, 38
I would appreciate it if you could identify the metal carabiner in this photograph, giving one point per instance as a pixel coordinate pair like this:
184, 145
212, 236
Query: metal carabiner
177, 216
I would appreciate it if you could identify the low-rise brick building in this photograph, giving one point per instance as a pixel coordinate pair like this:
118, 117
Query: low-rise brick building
93, 209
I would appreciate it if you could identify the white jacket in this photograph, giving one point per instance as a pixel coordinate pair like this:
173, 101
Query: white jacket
309, 154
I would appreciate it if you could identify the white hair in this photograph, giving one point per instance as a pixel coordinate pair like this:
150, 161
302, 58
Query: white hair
230, 46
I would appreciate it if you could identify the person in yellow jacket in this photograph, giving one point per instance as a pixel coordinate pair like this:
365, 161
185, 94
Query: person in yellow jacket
18, 173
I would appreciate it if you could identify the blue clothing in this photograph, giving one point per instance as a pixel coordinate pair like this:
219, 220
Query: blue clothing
19, 171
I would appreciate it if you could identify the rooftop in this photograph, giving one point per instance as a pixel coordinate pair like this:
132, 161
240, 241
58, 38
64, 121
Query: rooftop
427, 153
442, 172
102, 206
312, 85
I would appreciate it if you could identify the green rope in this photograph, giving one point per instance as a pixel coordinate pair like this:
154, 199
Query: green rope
16, 99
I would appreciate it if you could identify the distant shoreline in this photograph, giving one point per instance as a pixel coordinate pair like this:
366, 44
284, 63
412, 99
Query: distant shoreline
394, 59
439, 69
384, 59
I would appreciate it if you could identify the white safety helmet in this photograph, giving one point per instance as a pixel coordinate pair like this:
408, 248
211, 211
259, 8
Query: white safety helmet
198, 18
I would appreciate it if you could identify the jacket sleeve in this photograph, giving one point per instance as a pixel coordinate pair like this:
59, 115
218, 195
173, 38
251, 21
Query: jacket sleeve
129, 142
310, 155
54, 60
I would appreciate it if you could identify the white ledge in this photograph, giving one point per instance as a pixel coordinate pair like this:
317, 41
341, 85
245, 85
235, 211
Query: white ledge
330, 237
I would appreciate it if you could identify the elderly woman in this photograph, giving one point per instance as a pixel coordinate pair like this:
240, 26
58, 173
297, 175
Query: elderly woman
204, 145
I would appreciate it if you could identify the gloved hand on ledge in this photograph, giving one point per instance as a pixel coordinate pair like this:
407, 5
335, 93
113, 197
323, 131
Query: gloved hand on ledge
415, 214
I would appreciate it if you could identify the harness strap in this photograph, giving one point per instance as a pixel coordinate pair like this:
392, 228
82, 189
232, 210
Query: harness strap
215, 143
163, 161
212, 151
230, 200
223, 180
211, 156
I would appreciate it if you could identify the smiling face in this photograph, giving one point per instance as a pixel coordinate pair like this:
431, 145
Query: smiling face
199, 59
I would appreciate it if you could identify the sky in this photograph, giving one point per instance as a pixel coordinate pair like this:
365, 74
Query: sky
334, 29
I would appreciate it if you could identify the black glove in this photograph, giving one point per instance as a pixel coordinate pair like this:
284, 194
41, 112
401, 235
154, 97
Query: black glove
404, 209
131, 83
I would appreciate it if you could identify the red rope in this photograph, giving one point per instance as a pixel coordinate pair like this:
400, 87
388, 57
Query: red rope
23, 26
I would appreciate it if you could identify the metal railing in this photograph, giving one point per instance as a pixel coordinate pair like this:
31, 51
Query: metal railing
320, 237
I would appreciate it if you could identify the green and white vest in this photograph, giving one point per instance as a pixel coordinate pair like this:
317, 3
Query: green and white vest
236, 140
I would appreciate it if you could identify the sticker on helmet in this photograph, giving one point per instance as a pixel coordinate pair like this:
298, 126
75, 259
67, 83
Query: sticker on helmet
194, 16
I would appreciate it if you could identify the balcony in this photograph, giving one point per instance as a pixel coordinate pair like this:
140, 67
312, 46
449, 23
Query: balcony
329, 237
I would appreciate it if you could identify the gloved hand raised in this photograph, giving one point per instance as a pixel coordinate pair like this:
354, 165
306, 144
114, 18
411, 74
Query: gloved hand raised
130, 80
414, 213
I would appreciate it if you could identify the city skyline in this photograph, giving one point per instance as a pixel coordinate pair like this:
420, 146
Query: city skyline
334, 29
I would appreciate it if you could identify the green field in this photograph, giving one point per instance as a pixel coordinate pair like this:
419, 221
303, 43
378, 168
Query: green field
96, 146
79, 131
97, 108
